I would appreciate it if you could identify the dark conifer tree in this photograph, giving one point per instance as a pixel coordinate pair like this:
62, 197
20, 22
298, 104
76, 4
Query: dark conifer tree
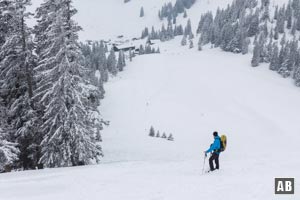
274, 62
152, 132
142, 13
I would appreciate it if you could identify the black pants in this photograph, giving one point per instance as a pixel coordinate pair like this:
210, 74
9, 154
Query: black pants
214, 157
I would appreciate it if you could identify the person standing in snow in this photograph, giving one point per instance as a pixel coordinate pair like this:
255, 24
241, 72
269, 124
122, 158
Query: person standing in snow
215, 149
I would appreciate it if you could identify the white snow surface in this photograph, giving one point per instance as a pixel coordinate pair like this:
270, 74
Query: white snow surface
107, 19
189, 94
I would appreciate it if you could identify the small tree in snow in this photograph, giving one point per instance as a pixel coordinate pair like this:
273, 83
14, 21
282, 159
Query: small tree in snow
200, 44
191, 44
130, 55
157, 134
152, 132
121, 61
141, 50
157, 50
274, 63
256, 55
185, 14
183, 41
142, 13
171, 137
148, 49
111, 62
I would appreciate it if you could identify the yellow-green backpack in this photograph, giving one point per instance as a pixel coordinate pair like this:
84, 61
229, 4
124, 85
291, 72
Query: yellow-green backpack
223, 143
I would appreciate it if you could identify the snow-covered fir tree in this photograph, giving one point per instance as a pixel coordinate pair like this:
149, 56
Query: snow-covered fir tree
254, 24
188, 29
121, 61
112, 62
154, 35
102, 62
145, 33
71, 123
16, 85
274, 64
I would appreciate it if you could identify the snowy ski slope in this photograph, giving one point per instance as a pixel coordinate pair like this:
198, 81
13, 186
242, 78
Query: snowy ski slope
189, 94
107, 19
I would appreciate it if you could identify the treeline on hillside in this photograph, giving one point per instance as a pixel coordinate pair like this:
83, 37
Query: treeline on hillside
171, 11
165, 34
48, 101
275, 35
102, 61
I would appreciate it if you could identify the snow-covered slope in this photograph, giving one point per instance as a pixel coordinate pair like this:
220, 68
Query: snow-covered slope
106, 19
190, 94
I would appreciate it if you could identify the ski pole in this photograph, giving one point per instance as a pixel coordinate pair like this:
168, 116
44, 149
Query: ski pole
203, 163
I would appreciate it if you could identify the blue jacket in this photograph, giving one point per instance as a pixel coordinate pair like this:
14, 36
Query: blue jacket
215, 146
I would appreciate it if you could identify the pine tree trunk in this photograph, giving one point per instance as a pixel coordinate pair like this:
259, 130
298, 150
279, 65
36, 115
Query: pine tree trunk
27, 71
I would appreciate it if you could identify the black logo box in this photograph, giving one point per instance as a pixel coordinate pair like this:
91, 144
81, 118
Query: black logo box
284, 183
